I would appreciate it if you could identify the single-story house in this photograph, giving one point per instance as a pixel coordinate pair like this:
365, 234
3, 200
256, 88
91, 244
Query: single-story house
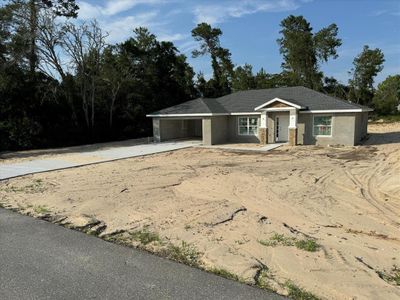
296, 115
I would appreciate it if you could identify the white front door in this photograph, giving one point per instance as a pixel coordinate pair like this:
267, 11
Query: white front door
282, 128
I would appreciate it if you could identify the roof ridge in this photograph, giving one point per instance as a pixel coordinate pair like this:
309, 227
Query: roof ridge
339, 99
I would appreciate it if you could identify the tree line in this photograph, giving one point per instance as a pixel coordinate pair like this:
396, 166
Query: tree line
62, 84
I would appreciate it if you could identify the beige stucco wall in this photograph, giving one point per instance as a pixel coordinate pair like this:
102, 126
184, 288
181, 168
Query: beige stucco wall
215, 130
361, 127
343, 130
233, 133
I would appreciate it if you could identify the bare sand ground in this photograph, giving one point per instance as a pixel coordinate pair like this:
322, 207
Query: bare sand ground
231, 205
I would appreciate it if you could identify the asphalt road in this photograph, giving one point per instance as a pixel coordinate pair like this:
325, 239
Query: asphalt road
40, 260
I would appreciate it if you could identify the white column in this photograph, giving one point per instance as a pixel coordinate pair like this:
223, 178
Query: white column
293, 118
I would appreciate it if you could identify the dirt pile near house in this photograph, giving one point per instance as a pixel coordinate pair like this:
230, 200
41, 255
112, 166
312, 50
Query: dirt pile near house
327, 219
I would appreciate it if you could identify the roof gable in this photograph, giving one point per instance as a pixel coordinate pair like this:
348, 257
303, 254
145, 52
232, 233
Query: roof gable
277, 103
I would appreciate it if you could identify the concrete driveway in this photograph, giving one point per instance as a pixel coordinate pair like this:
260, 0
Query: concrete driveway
40, 260
81, 156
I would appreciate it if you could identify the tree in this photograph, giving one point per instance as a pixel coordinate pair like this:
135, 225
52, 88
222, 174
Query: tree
85, 45
160, 77
65, 8
114, 73
243, 78
220, 58
366, 66
303, 51
387, 96
334, 88
25, 17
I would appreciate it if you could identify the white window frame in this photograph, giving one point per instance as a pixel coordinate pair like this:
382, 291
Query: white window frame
248, 125
313, 125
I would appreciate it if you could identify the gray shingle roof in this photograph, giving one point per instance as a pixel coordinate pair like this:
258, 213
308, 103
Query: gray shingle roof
247, 101
196, 106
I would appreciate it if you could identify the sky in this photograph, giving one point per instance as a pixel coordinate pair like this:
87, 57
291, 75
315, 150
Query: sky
251, 27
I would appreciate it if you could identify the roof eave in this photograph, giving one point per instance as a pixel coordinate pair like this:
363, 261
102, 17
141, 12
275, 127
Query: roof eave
323, 111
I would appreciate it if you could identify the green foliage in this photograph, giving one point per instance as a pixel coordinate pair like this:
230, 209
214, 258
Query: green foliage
41, 209
366, 66
37, 186
307, 245
387, 97
185, 253
224, 273
386, 118
302, 50
66, 8
104, 96
298, 293
262, 279
221, 61
277, 239
392, 277
334, 88
145, 236
243, 78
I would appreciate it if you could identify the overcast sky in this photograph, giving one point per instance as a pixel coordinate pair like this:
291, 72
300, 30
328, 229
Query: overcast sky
251, 27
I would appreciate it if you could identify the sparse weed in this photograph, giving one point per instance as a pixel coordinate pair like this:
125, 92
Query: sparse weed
262, 279
41, 209
37, 186
185, 253
298, 293
393, 277
277, 239
307, 245
121, 238
145, 236
224, 273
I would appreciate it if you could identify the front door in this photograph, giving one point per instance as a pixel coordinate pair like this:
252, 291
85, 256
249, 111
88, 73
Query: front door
282, 128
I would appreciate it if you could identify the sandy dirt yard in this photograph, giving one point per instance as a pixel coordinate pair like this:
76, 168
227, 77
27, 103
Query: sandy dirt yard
327, 219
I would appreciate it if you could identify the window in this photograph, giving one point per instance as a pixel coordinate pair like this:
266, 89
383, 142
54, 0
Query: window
248, 125
322, 125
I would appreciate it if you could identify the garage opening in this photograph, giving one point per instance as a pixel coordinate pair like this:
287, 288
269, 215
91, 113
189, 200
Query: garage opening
172, 129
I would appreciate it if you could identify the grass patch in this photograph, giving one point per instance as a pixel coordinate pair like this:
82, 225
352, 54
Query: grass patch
393, 277
262, 280
298, 293
224, 273
307, 245
145, 236
185, 253
41, 209
122, 238
278, 239
37, 186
